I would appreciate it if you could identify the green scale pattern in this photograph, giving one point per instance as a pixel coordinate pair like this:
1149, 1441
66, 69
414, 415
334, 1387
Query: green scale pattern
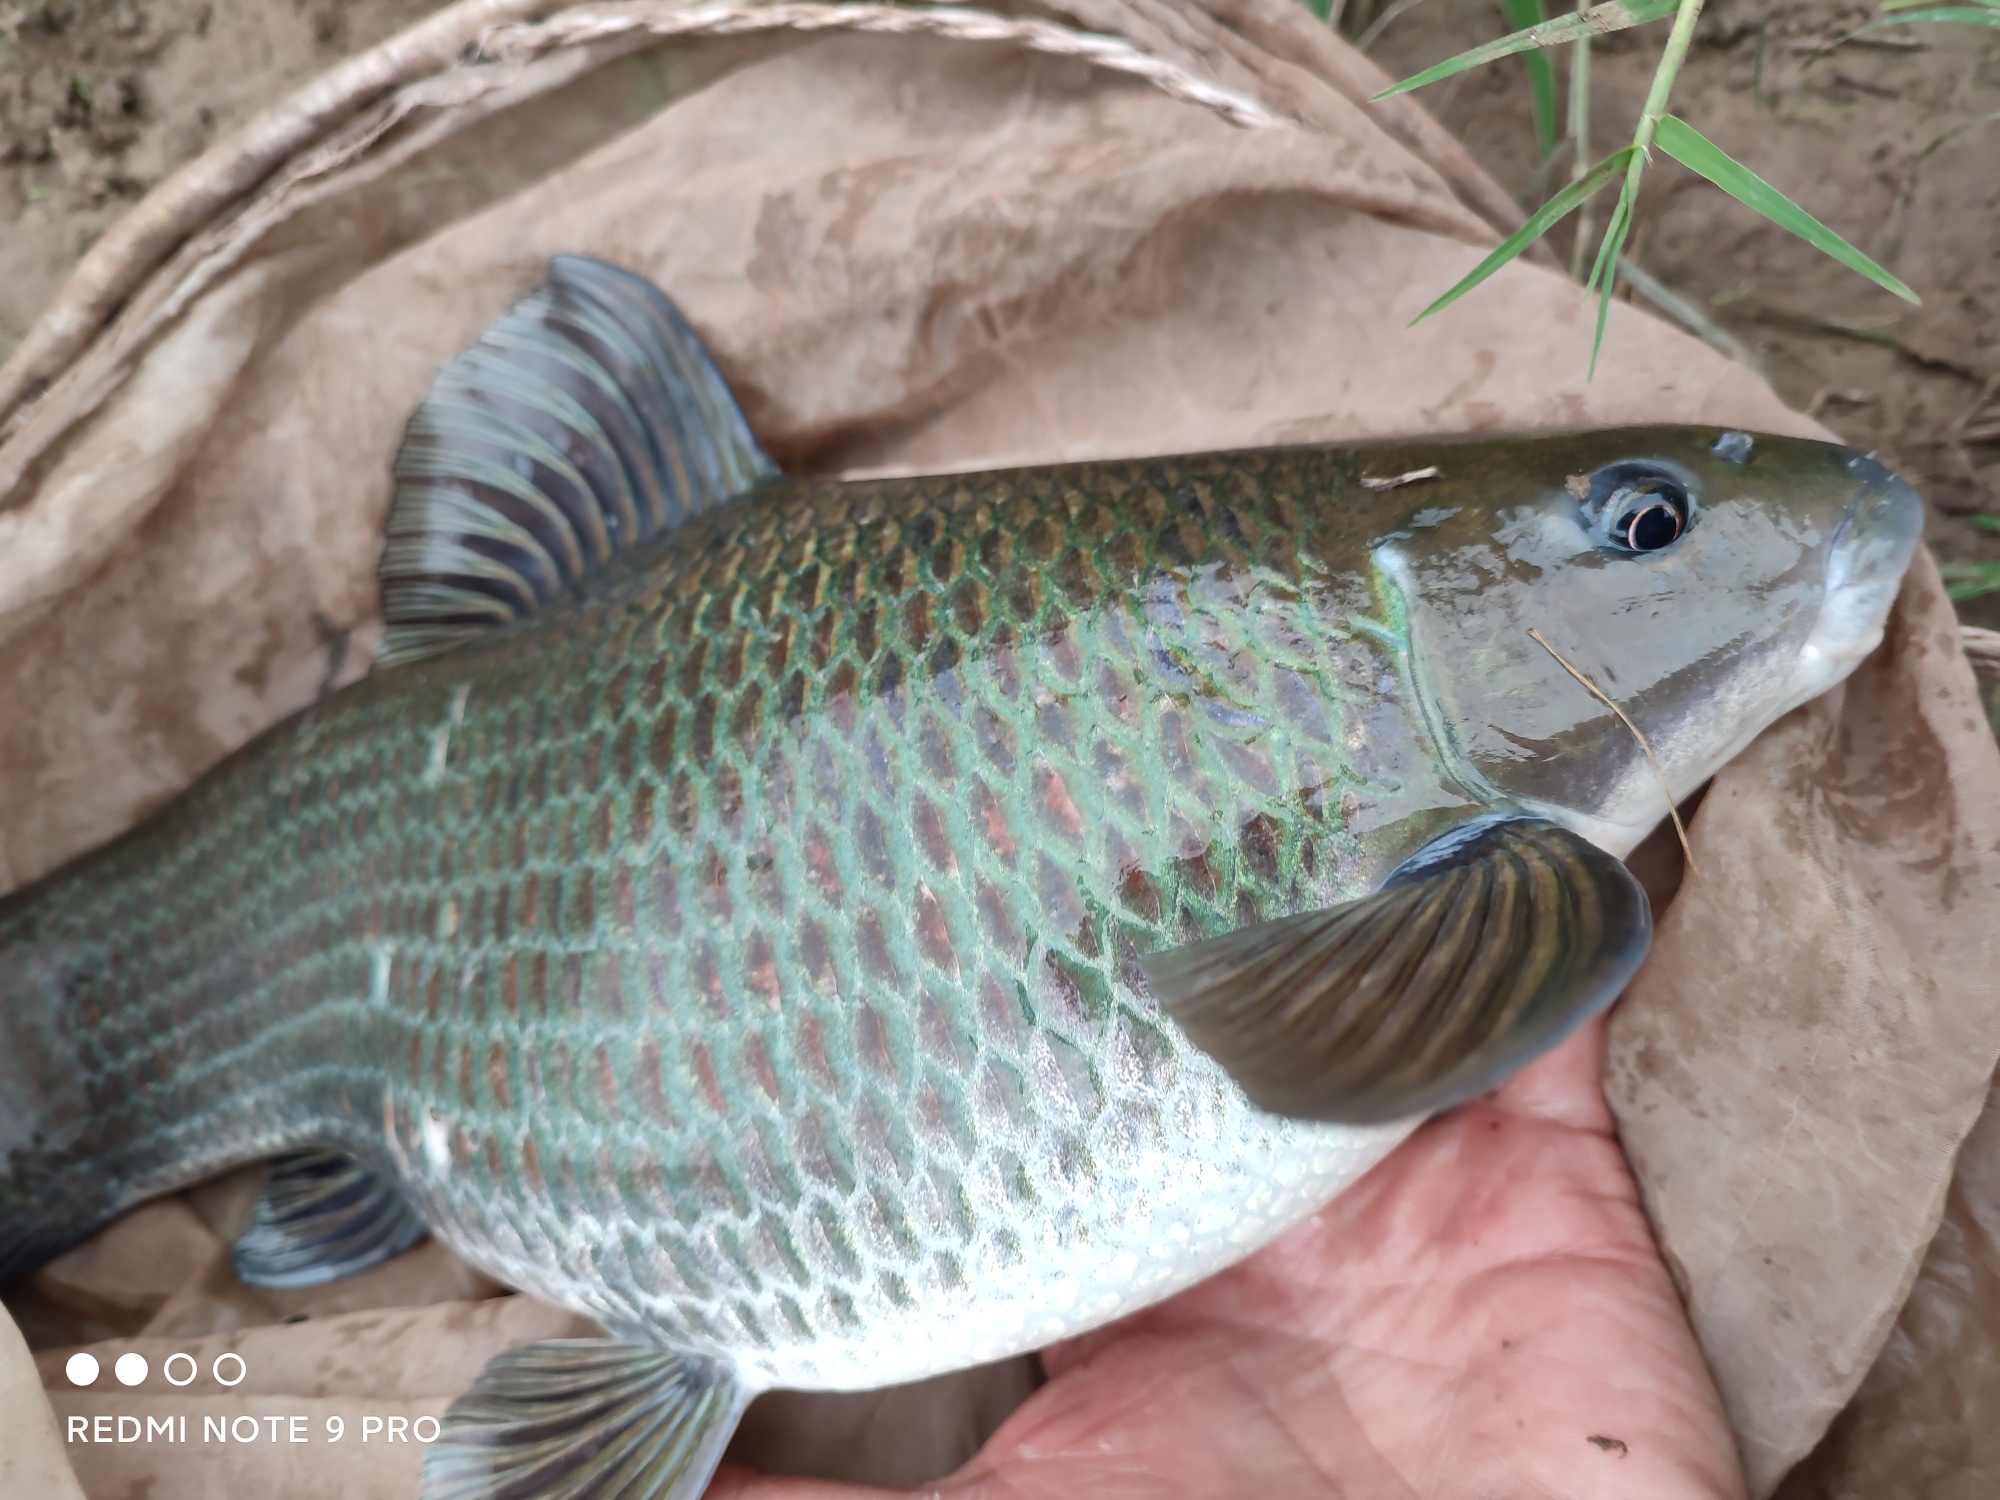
744, 952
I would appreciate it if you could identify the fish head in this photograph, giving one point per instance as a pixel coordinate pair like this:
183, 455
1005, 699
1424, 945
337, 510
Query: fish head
1705, 582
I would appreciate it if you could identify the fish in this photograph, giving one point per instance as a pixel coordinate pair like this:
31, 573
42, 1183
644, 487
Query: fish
834, 933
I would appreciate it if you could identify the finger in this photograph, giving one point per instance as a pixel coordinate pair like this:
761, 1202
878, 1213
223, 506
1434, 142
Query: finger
1564, 1086
734, 1482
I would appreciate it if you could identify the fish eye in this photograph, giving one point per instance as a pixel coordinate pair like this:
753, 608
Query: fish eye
1649, 517
1637, 507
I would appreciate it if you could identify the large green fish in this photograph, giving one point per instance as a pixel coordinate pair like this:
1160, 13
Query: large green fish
832, 934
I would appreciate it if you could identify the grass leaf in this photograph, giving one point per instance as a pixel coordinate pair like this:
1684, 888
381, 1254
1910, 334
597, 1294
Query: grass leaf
1539, 223
1692, 149
1607, 263
1913, 4
1970, 580
1597, 266
1522, 14
1599, 20
1966, 15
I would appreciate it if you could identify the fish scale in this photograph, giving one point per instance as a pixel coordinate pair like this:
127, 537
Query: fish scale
834, 934
748, 955
865, 1015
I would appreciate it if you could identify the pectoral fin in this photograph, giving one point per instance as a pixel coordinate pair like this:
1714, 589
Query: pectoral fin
1477, 955
586, 1419
322, 1216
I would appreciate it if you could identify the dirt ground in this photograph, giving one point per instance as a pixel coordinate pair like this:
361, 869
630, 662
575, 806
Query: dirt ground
100, 99
1888, 138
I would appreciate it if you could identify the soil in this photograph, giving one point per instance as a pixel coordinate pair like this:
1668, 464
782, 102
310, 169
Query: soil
100, 99
1889, 138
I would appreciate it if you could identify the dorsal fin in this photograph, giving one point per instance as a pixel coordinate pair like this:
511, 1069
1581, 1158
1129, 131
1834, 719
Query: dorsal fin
585, 420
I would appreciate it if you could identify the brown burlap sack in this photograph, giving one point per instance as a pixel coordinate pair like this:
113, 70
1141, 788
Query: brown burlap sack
918, 252
1786, 1090
1922, 1425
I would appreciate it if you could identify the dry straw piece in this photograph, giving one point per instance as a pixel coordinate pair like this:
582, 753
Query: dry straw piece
1652, 760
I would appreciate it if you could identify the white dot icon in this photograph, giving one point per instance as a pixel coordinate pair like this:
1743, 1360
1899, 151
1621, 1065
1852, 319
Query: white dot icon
130, 1369
81, 1369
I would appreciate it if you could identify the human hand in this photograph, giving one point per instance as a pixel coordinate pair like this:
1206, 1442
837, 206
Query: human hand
1484, 1314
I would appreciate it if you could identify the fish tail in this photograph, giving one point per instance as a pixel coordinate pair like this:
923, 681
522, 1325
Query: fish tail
122, 1078
42, 1117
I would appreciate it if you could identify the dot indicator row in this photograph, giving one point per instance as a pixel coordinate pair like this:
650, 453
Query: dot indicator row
131, 1369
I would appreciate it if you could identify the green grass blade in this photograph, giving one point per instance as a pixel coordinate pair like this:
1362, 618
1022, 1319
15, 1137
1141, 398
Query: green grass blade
1607, 262
1521, 15
1538, 224
1597, 266
1621, 214
1599, 20
1966, 15
1694, 150
1579, 143
1913, 4
1985, 522
1970, 580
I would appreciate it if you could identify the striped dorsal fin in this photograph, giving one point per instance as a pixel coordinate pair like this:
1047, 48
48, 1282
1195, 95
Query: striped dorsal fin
587, 419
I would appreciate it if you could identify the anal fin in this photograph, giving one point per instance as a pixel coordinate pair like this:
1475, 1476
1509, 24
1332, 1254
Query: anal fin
586, 1419
1478, 954
322, 1216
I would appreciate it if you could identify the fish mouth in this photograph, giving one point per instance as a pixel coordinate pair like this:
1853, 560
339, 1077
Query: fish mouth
1871, 548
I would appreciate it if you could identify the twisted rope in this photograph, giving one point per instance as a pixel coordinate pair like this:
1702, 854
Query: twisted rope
594, 23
